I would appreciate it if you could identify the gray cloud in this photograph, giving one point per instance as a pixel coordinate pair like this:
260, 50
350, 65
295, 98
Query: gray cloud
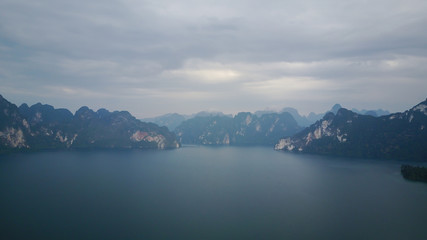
154, 57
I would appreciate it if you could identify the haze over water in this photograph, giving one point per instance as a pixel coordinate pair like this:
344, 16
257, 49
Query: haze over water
206, 193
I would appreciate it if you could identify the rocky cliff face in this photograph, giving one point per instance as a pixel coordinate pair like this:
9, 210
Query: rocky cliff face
14, 129
44, 127
395, 136
243, 129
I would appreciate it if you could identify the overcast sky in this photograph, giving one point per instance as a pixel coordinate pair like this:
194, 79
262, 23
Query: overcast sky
156, 57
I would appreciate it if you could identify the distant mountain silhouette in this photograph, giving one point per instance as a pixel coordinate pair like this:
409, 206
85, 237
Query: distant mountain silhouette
172, 120
312, 117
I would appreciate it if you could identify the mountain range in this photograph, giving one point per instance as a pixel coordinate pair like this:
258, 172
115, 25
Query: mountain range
42, 126
339, 132
173, 120
243, 129
305, 121
400, 136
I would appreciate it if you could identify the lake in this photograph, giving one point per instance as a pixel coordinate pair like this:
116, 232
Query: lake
201, 192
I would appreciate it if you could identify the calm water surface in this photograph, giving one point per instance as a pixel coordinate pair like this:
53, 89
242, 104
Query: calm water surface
206, 193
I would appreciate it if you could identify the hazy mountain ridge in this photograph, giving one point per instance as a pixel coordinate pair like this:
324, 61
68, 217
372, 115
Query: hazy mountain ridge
312, 117
42, 126
375, 113
173, 120
243, 129
395, 136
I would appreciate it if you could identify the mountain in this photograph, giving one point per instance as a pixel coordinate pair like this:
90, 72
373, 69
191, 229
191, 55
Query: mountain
312, 117
13, 127
335, 108
50, 115
305, 121
209, 114
400, 136
42, 126
375, 113
262, 112
243, 129
172, 120
301, 120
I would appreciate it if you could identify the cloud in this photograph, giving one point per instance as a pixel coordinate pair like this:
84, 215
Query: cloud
288, 86
209, 76
199, 71
231, 56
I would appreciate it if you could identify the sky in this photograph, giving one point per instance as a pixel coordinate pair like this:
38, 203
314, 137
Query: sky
157, 57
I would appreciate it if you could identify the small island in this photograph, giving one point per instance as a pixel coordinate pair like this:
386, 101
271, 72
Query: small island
414, 173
